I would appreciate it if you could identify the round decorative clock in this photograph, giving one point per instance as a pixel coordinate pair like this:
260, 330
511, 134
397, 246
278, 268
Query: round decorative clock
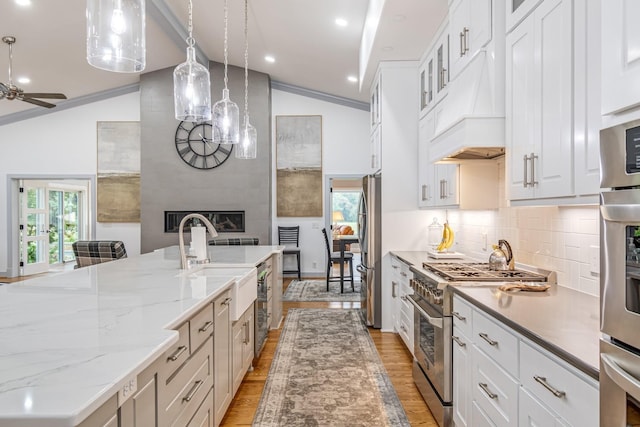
194, 143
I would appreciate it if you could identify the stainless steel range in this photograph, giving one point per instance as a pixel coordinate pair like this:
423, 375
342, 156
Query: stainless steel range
433, 325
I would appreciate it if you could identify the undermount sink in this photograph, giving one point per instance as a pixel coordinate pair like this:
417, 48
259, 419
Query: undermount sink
243, 292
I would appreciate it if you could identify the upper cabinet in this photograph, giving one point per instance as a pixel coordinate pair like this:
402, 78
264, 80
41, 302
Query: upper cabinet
434, 72
550, 141
469, 31
621, 58
517, 10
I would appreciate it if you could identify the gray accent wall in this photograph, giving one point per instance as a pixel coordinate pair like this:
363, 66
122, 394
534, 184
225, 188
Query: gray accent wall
169, 184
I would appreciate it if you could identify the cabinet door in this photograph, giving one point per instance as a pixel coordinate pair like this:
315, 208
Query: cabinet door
375, 104
376, 149
248, 341
426, 170
469, 31
462, 384
441, 60
621, 57
533, 413
517, 10
238, 332
446, 182
222, 355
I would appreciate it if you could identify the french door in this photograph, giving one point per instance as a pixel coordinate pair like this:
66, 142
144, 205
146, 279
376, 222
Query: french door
34, 229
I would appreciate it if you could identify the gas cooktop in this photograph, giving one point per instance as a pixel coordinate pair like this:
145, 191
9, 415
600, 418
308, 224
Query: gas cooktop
480, 272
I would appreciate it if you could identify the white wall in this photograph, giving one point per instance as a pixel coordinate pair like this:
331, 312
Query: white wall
345, 150
62, 143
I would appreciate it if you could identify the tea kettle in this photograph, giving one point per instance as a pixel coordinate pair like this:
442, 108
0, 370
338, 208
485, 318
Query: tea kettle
499, 260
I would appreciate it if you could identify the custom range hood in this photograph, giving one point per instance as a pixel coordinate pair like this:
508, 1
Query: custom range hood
470, 124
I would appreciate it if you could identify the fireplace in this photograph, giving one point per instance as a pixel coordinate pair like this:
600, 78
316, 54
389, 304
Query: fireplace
223, 221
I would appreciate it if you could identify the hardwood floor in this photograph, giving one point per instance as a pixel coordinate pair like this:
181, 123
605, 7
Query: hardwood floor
396, 358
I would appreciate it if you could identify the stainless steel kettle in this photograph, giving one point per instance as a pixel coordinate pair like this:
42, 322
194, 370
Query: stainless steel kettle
499, 259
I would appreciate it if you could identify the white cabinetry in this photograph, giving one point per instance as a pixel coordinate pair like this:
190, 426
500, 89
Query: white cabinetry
402, 308
546, 119
243, 351
620, 55
223, 376
513, 381
469, 31
433, 73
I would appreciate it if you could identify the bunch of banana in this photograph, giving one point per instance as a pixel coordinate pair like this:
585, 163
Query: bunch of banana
447, 238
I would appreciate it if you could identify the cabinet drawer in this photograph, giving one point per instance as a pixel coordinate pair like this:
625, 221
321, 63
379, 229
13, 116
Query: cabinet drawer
204, 416
479, 418
178, 353
533, 413
494, 390
201, 327
462, 315
498, 343
184, 392
571, 396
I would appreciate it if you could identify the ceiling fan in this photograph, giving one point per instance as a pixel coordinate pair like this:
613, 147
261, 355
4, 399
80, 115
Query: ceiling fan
11, 92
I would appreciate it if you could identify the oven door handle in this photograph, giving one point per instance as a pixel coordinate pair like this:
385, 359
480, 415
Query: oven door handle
622, 378
620, 212
435, 321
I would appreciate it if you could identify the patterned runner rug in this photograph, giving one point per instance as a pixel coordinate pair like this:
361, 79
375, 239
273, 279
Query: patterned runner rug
327, 372
316, 290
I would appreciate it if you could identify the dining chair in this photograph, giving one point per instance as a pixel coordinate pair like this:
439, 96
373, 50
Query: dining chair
289, 236
90, 252
334, 257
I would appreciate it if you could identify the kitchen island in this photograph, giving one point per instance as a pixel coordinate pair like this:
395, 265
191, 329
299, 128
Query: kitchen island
72, 342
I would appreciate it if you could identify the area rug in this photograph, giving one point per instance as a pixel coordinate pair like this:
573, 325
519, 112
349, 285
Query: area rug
326, 372
316, 290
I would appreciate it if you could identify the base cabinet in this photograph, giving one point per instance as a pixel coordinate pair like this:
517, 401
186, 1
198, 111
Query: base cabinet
501, 378
222, 353
243, 350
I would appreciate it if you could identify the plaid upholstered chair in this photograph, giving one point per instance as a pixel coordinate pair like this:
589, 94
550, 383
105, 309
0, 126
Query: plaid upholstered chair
90, 252
235, 241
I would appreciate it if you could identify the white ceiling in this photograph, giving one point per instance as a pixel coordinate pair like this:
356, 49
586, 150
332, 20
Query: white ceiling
311, 51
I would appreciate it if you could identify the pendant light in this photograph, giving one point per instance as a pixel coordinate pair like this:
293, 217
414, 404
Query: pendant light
116, 35
247, 148
226, 127
192, 84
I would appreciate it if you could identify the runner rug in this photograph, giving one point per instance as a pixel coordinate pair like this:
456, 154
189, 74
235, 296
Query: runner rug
316, 290
327, 372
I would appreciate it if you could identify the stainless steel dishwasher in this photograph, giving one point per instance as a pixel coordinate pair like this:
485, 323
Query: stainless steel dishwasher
262, 307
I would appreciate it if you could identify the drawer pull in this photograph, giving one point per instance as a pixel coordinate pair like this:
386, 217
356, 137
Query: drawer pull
487, 339
193, 391
226, 301
176, 354
485, 388
545, 384
205, 326
459, 317
459, 341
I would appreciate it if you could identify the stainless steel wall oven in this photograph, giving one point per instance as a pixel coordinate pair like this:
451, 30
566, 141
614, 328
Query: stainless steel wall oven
620, 275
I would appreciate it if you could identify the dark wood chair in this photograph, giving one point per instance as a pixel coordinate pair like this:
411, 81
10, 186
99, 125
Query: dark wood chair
290, 236
334, 257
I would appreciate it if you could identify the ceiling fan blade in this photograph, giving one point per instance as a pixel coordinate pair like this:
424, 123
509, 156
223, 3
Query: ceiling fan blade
44, 95
36, 102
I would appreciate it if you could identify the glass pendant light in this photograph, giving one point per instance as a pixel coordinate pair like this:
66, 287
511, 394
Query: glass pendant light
247, 148
226, 119
192, 84
116, 35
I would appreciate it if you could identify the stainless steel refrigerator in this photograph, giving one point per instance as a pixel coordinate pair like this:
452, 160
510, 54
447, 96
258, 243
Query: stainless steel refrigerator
370, 268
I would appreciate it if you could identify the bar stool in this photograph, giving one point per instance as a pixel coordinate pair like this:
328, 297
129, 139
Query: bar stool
290, 236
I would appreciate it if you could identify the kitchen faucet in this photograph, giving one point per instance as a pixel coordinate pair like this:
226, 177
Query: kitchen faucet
184, 264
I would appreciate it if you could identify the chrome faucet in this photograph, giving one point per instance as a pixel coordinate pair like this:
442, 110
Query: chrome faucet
184, 264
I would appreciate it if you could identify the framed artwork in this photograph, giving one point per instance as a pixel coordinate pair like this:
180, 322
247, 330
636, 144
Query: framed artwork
223, 221
299, 166
118, 184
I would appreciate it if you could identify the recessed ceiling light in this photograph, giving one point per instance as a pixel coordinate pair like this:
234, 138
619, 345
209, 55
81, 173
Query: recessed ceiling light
270, 58
24, 80
23, 2
352, 79
341, 22
399, 18
387, 48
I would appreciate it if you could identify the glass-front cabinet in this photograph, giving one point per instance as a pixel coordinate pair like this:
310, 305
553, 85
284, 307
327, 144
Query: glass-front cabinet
434, 72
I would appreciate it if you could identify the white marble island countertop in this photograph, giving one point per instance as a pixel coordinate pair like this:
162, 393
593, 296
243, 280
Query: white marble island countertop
69, 341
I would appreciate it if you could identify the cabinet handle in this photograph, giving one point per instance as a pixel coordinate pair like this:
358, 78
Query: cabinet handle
462, 44
533, 169
193, 391
226, 301
246, 333
424, 193
394, 287
373, 160
545, 384
459, 317
403, 274
403, 297
445, 189
487, 339
525, 179
395, 266
176, 354
466, 37
485, 388
205, 326
459, 341
443, 72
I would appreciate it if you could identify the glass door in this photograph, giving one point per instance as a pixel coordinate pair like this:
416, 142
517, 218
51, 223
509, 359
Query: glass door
65, 224
34, 229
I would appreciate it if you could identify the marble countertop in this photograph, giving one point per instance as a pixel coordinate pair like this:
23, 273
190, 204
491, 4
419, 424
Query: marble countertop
69, 341
564, 321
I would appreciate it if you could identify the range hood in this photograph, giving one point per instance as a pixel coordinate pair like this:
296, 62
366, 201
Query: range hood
470, 124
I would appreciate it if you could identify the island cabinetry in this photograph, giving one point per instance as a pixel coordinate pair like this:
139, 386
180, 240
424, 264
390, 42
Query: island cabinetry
223, 376
182, 387
276, 299
141, 408
243, 349
105, 416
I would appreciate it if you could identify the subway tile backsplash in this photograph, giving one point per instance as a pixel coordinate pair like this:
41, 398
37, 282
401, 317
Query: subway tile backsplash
555, 238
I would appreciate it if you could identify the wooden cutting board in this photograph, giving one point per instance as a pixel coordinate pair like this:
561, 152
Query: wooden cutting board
516, 287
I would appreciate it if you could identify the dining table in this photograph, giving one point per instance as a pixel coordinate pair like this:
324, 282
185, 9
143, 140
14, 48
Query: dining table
343, 241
